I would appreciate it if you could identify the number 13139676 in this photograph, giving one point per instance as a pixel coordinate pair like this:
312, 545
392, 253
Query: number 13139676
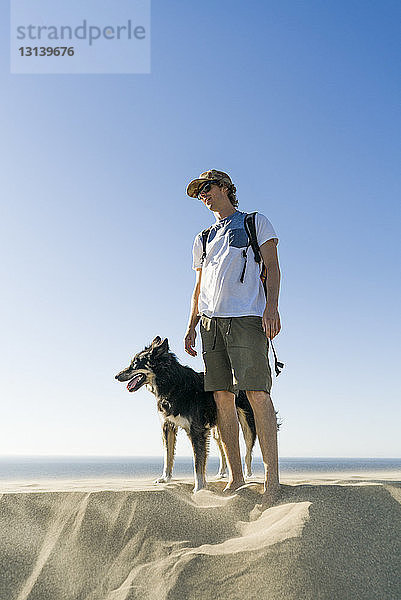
49, 51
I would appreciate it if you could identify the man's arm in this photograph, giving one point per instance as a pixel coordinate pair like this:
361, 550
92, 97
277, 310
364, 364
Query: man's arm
190, 335
271, 317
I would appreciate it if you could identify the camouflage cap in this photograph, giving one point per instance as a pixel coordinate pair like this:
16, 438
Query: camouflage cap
212, 174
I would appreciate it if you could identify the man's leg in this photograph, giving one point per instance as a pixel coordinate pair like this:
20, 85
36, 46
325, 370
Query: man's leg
266, 429
227, 422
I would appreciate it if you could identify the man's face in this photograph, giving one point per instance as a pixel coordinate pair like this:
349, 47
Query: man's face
213, 197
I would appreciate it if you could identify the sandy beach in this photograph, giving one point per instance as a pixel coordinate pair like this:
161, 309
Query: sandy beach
329, 537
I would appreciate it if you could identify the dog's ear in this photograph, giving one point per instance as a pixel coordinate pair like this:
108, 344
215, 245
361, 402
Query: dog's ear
161, 348
156, 341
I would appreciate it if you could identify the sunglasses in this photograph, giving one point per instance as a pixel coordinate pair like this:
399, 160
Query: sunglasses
205, 188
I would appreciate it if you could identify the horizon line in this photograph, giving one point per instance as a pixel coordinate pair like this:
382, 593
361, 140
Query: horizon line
160, 456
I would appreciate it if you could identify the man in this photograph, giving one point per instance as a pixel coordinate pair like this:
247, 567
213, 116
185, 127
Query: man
236, 321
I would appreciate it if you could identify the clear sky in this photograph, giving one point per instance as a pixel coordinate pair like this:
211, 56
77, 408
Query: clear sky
299, 102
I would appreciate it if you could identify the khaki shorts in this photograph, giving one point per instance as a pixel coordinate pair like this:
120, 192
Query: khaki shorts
235, 354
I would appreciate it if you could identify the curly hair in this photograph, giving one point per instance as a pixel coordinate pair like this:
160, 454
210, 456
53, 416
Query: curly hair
231, 192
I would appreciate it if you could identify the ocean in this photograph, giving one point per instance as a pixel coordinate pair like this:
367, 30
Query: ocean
60, 467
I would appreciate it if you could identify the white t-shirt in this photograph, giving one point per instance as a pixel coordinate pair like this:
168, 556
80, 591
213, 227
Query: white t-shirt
221, 292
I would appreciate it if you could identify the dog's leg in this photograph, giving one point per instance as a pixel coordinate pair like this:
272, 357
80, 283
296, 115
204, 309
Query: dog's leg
223, 461
171, 437
169, 434
249, 437
200, 442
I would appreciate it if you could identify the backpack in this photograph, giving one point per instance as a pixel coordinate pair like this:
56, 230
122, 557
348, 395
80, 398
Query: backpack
250, 228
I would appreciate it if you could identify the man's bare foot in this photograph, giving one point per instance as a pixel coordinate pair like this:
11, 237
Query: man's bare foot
269, 499
233, 485
270, 496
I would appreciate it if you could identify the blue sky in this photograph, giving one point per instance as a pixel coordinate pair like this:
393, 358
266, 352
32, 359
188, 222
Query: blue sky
298, 102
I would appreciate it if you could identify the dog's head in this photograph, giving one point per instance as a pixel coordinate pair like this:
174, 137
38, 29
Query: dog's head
141, 369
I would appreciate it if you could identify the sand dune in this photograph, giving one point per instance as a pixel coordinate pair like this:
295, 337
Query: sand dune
337, 539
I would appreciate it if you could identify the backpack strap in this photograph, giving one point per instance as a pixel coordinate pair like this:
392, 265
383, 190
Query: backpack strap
250, 228
205, 236
278, 366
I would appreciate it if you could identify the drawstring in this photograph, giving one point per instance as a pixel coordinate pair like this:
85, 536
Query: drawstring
278, 366
229, 326
245, 255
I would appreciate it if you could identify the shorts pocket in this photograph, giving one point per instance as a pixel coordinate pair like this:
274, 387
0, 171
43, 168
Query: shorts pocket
206, 322
207, 333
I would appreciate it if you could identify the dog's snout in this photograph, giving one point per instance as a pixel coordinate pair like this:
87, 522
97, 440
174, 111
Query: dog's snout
123, 375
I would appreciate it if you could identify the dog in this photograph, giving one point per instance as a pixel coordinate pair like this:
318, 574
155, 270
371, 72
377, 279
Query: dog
182, 402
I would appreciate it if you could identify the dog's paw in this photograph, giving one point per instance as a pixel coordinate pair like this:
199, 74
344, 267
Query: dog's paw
221, 475
162, 479
199, 485
248, 474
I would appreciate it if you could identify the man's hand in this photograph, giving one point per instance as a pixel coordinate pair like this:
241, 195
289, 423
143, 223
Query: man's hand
271, 322
189, 342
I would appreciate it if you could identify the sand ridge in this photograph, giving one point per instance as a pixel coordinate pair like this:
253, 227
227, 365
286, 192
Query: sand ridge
323, 540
